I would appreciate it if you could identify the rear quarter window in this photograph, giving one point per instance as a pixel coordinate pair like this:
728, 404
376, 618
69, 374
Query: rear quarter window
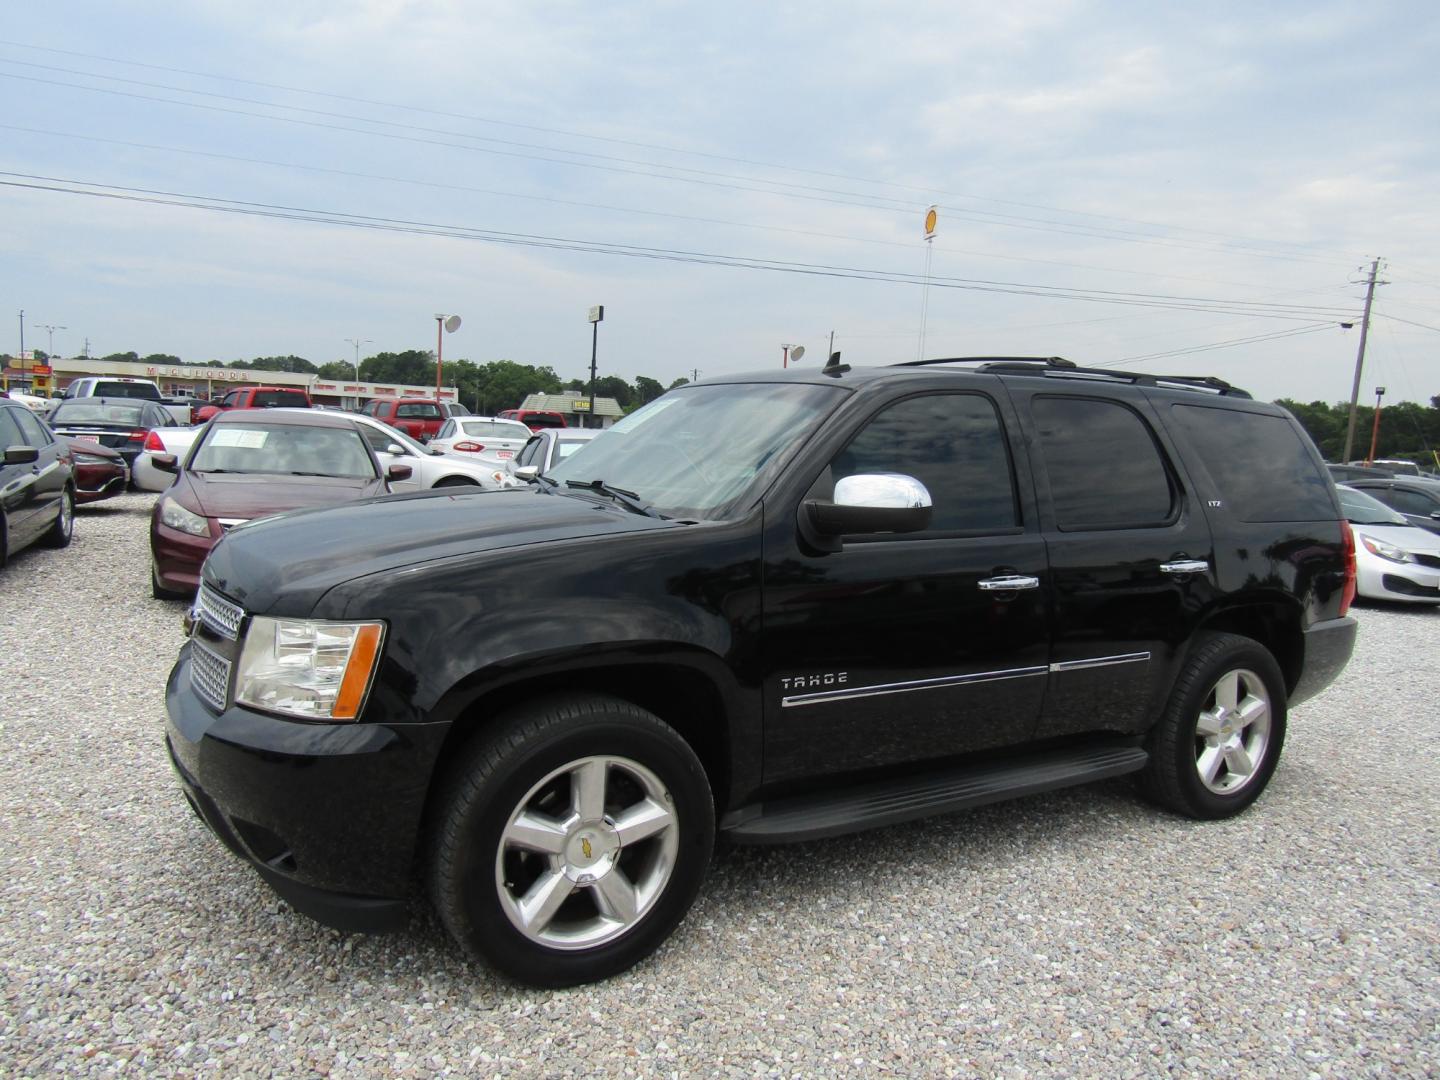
1261, 464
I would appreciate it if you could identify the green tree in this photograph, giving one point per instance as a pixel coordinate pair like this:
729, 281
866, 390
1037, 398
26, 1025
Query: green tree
414, 366
123, 357
163, 359
678, 382
646, 390
503, 384
337, 369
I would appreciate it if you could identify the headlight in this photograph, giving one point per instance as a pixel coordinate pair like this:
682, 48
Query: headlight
1386, 551
177, 517
307, 668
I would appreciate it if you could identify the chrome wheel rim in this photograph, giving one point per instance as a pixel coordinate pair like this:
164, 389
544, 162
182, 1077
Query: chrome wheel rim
67, 514
587, 853
1232, 733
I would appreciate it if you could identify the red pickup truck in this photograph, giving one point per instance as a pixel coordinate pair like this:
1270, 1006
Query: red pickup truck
420, 418
256, 397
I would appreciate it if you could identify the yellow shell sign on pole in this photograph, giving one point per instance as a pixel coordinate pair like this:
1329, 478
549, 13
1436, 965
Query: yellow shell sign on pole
931, 219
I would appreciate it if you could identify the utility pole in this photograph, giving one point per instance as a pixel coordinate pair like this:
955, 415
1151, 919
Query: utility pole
21, 358
1360, 361
695, 372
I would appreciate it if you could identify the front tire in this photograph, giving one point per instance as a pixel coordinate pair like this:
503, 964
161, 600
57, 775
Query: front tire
571, 840
1218, 742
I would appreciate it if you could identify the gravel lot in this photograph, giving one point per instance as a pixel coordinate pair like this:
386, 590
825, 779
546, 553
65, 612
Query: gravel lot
1078, 933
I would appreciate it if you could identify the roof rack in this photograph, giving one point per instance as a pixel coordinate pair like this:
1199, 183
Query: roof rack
1059, 367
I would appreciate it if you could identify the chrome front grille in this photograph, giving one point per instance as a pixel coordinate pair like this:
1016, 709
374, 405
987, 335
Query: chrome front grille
218, 613
209, 675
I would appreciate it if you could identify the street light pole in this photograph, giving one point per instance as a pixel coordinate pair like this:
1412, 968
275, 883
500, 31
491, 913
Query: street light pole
50, 351
597, 315
1375, 430
357, 342
444, 324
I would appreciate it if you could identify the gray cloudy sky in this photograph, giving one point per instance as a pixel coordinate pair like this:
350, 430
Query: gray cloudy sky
1090, 160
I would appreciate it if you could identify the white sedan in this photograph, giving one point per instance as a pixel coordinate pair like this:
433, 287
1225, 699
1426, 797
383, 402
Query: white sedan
1394, 560
485, 438
162, 440
429, 468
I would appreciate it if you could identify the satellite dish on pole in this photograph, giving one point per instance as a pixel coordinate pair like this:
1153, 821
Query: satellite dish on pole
452, 324
797, 353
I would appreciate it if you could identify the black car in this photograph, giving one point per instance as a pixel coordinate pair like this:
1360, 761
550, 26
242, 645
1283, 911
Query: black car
37, 489
121, 424
766, 608
1415, 497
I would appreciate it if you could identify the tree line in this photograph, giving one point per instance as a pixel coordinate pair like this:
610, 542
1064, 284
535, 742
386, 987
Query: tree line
1408, 431
484, 388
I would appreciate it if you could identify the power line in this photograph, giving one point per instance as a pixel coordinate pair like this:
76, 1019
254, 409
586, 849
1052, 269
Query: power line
1229, 344
530, 196
929, 194
1408, 322
270, 210
808, 193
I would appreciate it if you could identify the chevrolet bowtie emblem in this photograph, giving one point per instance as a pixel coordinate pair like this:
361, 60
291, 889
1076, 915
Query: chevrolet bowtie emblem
585, 846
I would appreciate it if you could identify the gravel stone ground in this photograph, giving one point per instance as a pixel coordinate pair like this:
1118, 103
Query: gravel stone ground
1081, 933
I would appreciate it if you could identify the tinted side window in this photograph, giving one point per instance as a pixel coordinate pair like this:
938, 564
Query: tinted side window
32, 430
951, 443
1260, 464
1105, 468
9, 430
1407, 502
231, 399
528, 454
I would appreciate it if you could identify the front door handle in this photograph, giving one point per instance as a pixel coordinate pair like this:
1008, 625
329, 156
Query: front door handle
1185, 566
1008, 583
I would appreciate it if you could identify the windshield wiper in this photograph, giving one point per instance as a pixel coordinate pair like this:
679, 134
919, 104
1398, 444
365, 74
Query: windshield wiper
627, 499
541, 481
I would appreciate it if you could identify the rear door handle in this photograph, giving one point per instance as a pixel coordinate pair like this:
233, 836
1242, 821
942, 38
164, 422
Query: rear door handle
1009, 582
1185, 566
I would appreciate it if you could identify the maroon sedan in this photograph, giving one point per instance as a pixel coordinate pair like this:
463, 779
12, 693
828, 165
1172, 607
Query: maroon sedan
251, 464
99, 471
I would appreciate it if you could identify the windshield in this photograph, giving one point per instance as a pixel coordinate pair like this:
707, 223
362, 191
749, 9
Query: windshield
1362, 509
126, 389
97, 412
283, 448
697, 451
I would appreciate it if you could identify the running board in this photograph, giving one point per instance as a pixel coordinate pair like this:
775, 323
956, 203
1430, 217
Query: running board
889, 802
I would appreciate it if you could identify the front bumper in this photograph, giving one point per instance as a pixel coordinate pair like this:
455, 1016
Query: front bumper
178, 556
327, 814
1327, 647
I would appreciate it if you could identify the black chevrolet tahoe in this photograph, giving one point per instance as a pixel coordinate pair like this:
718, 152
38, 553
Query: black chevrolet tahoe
767, 608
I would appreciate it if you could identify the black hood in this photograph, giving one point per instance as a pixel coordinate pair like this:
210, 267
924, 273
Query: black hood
284, 564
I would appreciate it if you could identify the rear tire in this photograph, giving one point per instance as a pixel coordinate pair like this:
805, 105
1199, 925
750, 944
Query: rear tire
63, 530
570, 840
1218, 742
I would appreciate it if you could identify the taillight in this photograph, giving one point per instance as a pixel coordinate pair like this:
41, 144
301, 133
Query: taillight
469, 447
139, 434
1347, 594
152, 442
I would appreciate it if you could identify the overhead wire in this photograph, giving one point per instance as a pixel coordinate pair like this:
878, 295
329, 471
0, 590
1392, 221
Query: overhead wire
700, 177
530, 196
929, 192
277, 211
